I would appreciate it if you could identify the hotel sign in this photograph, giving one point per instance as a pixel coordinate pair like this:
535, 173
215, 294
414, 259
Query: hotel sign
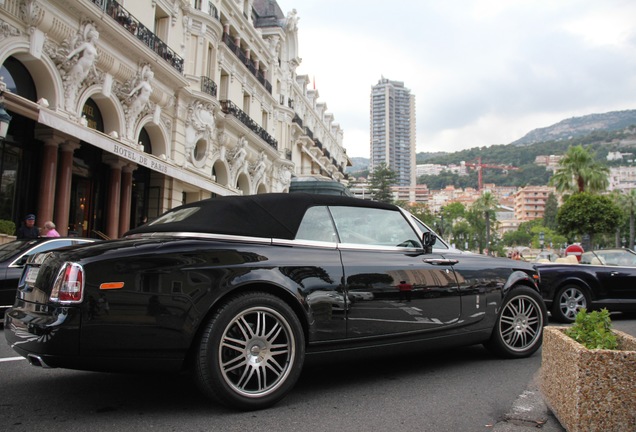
140, 158
111, 145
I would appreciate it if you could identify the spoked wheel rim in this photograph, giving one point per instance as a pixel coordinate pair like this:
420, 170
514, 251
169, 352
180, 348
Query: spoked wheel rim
521, 323
256, 352
571, 301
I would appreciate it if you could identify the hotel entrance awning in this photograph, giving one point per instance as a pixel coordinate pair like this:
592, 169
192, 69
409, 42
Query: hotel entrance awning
111, 145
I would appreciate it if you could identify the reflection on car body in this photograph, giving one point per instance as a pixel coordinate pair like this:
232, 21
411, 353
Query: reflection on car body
241, 289
14, 255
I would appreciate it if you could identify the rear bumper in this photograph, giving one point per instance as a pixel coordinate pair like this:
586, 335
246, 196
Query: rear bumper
43, 331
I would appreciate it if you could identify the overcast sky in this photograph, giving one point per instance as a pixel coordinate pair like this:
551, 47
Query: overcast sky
483, 71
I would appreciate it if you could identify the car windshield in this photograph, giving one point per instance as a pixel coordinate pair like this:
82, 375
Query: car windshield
7, 250
617, 258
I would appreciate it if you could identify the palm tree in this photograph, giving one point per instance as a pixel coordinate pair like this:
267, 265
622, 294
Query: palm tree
579, 172
487, 204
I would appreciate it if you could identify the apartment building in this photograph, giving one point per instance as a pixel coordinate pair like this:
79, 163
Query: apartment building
123, 110
622, 178
530, 202
393, 130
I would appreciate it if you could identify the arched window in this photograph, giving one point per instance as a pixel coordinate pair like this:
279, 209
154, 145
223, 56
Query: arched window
18, 79
93, 115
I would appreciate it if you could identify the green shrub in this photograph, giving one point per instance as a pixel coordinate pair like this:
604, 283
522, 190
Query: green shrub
7, 227
593, 330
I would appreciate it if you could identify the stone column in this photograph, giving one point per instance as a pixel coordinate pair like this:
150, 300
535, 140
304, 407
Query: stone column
63, 190
126, 198
114, 195
46, 196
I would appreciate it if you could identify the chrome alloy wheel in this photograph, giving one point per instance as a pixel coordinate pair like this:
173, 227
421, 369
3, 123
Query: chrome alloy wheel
521, 323
571, 301
256, 352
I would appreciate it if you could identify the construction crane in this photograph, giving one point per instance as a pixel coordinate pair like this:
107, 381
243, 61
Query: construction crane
480, 166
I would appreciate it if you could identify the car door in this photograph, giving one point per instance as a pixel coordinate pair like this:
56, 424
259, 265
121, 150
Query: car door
392, 285
617, 276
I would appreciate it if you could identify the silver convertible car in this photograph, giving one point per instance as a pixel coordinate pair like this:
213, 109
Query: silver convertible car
240, 290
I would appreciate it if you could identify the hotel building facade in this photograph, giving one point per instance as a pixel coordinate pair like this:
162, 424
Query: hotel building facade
123, 110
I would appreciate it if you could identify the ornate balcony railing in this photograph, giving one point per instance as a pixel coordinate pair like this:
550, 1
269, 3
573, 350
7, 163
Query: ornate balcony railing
208, 86
309, 132
212, 10
228, 107
297, 120
144, 34
249, 64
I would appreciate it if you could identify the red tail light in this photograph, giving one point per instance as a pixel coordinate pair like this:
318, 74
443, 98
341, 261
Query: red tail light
69, 284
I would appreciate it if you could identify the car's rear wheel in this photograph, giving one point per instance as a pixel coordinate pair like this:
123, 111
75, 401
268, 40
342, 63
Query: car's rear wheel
251, 352
518, 330
568, 301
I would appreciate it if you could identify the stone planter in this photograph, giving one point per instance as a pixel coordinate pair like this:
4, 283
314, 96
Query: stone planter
589, 390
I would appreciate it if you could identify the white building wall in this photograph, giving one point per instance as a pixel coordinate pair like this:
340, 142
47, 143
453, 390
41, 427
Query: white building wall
188, 125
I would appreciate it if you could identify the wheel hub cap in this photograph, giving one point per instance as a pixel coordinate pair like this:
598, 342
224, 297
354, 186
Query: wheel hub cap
256, 353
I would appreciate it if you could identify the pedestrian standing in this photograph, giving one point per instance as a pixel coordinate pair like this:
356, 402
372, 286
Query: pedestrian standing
28, 230
49, 230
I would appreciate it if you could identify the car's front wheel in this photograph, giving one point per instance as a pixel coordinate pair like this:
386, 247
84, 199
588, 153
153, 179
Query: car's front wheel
251, 352
518, 330
568, 301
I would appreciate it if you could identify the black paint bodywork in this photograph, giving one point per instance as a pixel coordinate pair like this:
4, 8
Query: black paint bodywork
344, 298
170, 282
13, 256
611, 287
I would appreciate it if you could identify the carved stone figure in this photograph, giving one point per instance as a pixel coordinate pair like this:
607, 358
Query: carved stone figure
138, 98
79, 62
292, 21
258, 169
239, 154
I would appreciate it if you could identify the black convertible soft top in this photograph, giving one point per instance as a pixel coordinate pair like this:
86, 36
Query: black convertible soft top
274, 215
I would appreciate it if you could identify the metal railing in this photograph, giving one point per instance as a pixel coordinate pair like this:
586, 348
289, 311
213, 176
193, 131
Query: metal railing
143, 33
249, 64
212, 10
208, 86
297, 120
228, 107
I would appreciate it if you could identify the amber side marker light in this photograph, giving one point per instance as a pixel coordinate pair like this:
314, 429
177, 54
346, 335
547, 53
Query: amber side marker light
111, 285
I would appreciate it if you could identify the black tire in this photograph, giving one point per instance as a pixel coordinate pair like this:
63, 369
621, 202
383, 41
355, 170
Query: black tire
251, 352
568, 301
518, 330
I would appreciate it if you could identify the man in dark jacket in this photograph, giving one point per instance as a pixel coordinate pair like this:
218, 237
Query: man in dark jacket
28, 230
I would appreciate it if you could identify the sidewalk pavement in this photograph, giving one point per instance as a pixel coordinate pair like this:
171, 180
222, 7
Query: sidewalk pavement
529, 411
